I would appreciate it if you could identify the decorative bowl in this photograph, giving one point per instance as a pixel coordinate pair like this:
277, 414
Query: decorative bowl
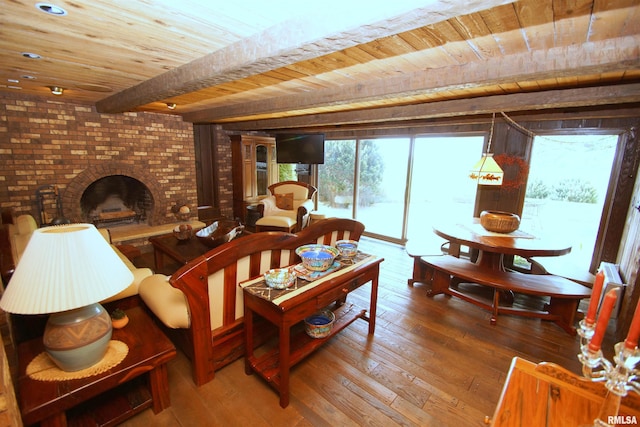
319, 325
219, 232
183, 213
347, 248
183, 231
499, 222
280, 278
317, 257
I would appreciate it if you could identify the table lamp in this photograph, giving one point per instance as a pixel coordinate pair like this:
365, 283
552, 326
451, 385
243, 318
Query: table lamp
65, 271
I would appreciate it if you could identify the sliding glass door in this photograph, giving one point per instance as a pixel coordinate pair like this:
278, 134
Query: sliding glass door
568, 182
400, 187
440, 186
371, 180
336, 179
382, 183
366, 180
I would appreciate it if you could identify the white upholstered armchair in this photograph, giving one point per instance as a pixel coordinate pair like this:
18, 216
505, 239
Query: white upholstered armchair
287, 208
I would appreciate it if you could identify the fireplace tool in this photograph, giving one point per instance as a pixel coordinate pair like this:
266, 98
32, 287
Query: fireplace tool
46, 196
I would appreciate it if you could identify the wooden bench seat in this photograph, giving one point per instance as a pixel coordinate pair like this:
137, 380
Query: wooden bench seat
443, 270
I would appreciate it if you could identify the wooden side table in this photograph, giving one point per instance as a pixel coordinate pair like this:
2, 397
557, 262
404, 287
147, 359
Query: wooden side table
274, 366
253, 214
108, 397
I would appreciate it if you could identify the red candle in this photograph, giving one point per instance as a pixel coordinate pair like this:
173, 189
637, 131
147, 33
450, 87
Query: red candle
603, 320
595, 298
631, 342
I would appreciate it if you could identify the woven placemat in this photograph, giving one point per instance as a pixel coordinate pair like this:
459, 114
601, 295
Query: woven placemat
42, 368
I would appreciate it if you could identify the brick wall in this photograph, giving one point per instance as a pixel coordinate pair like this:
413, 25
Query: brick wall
51, 142
225, 173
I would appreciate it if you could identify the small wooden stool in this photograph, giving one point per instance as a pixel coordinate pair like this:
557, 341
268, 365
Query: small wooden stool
276, 223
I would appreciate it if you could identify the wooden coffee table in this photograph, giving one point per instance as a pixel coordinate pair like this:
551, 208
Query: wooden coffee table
106, 398
182, 251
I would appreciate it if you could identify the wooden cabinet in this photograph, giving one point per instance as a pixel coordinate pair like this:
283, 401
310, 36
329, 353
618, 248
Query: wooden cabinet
254, 169
548, 395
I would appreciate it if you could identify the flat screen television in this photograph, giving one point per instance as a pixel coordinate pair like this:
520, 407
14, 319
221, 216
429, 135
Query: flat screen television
300, 148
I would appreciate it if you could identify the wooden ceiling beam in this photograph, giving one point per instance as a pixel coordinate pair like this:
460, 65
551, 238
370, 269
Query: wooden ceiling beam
286, 44
550, 99
619, 54
433, 125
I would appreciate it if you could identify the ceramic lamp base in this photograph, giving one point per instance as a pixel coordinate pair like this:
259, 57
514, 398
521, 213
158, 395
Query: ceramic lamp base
77, 339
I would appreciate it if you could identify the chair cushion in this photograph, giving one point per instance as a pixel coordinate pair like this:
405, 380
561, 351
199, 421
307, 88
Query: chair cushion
20, 234
276, 221
166, 302
284, 201
299, 192
139, 274
26, 224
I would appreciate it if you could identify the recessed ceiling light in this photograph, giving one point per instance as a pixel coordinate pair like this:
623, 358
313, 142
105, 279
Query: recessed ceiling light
31, 55
51, 9
56, 90
28, 77
14, 87
13, 80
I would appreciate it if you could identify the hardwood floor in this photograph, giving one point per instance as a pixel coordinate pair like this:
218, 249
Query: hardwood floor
431, 362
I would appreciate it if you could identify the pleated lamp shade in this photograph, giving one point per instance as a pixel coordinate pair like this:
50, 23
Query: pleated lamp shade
65, 271
64, 267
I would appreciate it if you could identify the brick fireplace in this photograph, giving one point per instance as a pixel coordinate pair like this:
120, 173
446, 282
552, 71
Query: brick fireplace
135, 196
46, 142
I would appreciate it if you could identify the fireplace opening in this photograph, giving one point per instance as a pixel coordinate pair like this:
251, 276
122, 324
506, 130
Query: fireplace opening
116, 200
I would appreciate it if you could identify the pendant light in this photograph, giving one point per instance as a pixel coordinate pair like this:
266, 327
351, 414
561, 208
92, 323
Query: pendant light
486, 171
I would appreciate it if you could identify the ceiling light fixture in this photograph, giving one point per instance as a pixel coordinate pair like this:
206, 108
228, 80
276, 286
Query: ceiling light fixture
487, 171
31, 55
51, 9
171, 105
56, 90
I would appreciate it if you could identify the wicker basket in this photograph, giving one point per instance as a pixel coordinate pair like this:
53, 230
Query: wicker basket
499, 222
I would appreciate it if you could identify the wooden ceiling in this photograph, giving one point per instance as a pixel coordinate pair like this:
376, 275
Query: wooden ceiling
287, 64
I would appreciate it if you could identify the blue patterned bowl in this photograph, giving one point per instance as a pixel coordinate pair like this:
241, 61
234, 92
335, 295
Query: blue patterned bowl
317, 257
280, 278
319, 325
347, 248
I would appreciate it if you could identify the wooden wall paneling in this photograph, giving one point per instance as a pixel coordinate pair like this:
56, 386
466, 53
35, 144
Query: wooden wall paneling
622, 185
629, 257
206, 161
506, 139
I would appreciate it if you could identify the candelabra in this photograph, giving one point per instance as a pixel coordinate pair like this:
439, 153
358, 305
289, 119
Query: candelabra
619, 377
